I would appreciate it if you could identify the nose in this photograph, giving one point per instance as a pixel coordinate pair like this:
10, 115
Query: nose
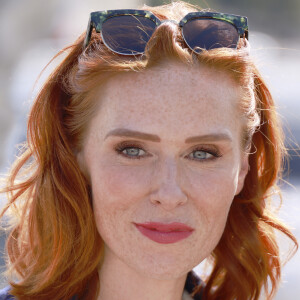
168, 193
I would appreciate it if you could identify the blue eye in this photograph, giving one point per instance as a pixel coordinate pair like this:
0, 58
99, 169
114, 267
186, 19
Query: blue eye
135, 151
132, 151
202, 154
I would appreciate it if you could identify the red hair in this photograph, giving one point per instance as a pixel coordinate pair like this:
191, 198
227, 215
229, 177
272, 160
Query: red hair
54, 247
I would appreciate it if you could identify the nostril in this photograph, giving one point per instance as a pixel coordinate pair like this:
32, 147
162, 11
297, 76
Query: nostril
168, 198
156, 202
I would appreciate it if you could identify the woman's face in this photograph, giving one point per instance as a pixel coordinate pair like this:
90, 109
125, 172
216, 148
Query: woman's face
165, 147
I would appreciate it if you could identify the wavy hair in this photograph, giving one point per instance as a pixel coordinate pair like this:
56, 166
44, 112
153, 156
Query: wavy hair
54, 248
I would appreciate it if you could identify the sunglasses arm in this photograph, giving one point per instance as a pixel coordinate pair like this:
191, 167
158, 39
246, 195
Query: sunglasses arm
88, 33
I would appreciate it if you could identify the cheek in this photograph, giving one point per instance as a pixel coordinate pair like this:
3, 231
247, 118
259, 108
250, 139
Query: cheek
212, 193
117, 191
120, 185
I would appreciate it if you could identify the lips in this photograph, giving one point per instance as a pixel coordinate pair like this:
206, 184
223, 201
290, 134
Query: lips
164, 233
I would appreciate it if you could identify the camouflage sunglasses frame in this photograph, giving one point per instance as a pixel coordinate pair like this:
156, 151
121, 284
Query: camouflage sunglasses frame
99, 17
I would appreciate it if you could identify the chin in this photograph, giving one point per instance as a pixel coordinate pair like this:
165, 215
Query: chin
160, 273
165, 268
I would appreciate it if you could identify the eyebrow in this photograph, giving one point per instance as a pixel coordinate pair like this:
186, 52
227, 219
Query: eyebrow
123, 132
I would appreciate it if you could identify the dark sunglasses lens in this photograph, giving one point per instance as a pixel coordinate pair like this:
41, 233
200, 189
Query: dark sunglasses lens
209, 34
127, 34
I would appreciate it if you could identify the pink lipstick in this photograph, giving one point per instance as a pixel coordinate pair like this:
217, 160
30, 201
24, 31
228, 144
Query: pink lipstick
164, 233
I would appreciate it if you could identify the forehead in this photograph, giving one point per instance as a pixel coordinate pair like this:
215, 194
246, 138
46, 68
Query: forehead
171, 96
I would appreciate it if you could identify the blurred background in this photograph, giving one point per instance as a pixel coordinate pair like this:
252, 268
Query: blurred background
32, 31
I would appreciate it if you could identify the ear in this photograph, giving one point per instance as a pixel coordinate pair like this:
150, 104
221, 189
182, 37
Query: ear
244, 169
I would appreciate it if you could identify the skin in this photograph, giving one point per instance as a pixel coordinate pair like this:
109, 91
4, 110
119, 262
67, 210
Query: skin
171, 181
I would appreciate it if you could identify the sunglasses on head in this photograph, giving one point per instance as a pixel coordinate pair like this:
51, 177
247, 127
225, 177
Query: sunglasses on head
128, 31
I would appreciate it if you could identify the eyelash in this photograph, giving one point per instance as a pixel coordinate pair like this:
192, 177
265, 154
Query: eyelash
127, 145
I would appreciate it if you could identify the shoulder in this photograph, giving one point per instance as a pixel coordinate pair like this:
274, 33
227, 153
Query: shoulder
5, 295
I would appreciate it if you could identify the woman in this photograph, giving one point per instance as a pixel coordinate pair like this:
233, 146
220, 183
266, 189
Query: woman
151, 147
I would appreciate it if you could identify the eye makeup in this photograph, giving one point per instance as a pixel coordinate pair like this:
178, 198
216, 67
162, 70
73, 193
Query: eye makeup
134, 150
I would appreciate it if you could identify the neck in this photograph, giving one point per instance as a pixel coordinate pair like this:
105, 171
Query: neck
119, 281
